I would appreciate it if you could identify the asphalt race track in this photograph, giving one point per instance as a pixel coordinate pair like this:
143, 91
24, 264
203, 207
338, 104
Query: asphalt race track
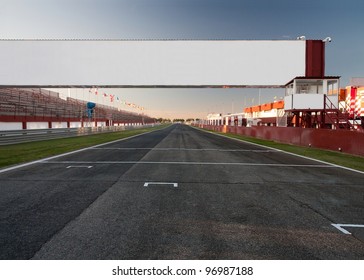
181, 193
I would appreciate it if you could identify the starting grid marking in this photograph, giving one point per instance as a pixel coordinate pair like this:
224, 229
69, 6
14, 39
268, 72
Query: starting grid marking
190, 163
79, 166
146, 184
341, 227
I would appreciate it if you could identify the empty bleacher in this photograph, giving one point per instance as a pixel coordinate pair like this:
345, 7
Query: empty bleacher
35, 104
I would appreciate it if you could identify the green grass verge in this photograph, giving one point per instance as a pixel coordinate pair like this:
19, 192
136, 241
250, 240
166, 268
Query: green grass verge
342, 159
25, 152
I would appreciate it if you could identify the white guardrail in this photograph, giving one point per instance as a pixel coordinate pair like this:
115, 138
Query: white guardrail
8, 137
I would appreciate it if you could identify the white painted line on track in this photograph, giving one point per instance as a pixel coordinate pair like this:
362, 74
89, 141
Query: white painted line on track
20, 166
188, 149
3, 170
79, 166
189, 163
278, 150
146, 184
341, 227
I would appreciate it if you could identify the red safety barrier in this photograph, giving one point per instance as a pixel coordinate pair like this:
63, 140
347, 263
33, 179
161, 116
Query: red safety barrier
347, 141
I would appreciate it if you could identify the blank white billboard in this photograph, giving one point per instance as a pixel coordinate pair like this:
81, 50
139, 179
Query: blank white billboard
136, 63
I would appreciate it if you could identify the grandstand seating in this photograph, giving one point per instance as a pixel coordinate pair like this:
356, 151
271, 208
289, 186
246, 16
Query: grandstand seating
44, 105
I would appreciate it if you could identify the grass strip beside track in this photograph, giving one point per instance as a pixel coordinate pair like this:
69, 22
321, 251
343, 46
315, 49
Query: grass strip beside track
26, 152
338, 158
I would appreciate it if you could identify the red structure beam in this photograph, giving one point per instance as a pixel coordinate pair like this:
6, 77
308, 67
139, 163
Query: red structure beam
315, 59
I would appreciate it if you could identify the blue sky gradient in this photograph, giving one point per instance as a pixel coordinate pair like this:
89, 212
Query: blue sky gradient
196, 19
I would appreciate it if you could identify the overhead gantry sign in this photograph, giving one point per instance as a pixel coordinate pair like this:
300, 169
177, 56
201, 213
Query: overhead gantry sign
157, 63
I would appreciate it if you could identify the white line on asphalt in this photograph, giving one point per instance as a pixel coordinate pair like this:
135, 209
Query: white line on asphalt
146, 184
189, 163
292, 154
340, 227
188, 149
79, 166
73, 152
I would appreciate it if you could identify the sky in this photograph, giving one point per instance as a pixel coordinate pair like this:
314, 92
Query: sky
342, 20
